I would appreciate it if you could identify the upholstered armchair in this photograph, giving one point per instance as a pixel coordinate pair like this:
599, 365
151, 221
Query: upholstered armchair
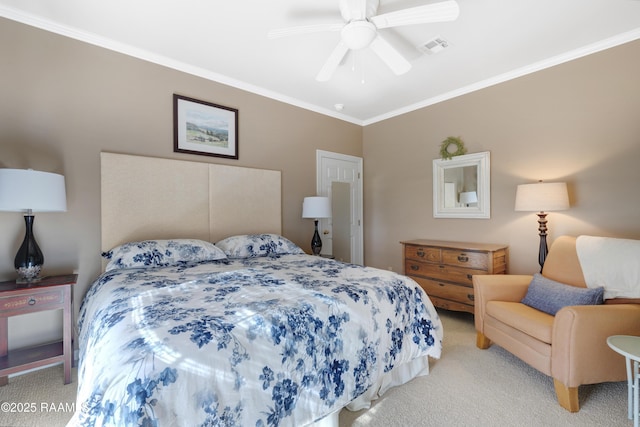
569, 346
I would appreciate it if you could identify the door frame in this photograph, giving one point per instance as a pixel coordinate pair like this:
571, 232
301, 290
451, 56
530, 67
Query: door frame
321, 191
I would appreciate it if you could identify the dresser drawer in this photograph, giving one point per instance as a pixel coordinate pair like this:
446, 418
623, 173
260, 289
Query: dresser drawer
466, 259
441, 271
448, 304
450, 291
421, 253
36, 300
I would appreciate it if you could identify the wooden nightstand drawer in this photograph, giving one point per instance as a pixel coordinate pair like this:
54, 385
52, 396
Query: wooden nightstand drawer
423, 253
39, 300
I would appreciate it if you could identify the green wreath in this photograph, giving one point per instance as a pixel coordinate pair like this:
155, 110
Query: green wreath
444, 147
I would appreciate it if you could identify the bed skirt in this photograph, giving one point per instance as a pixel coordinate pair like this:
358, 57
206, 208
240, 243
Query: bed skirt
397, 376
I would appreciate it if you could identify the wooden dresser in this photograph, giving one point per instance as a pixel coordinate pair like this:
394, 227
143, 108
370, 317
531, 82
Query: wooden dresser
444, 269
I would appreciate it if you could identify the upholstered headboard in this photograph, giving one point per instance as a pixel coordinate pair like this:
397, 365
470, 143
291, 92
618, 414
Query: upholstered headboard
153, 198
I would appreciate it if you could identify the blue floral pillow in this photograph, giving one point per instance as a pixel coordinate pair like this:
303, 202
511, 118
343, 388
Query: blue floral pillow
161, 253
256, 245
550, 296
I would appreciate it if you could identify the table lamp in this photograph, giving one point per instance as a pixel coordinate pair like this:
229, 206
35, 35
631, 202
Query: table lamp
316, 208
28, 191
542, 197
468, 197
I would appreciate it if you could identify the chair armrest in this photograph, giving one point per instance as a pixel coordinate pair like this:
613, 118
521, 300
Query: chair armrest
497, 287
501, 287
579, 350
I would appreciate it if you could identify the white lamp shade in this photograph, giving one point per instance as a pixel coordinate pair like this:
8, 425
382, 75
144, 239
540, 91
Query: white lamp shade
316, 207
468, 197
542, 197
24, 189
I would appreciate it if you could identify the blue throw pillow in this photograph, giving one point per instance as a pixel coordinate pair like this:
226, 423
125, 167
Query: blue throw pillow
550, 296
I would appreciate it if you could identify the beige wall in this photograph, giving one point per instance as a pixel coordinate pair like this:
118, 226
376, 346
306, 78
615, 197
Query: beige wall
577, 122
63, 102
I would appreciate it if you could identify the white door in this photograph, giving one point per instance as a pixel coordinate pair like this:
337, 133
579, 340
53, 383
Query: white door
341, 168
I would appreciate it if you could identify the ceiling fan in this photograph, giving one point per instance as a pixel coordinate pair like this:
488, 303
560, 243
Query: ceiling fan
360, 30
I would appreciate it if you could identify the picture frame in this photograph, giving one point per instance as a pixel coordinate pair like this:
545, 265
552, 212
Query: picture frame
204, 128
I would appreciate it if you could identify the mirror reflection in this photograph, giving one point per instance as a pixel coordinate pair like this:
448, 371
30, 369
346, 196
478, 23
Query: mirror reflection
341, 220
461, 186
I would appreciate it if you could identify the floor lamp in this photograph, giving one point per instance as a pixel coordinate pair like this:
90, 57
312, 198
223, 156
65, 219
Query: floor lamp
316, 208
542, 197
29, 191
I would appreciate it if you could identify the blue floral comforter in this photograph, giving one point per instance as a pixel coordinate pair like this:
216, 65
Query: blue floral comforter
266, 341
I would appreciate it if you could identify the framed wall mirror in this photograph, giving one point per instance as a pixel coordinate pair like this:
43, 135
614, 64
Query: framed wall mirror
462, 186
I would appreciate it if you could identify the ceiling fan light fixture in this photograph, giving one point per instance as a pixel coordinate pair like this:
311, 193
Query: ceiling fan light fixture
358, 34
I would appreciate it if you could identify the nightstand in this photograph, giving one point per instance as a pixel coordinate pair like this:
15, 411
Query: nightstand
51, 293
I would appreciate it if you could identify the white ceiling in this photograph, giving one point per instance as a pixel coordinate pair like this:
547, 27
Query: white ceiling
226, 41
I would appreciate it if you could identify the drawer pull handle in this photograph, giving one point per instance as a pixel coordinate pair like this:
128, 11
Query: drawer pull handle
420, 253
32, 301
441, 284
471, 297
469, 276
414, 267
463, 258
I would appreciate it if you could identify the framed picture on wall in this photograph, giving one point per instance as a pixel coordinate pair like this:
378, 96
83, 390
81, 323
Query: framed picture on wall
204, 128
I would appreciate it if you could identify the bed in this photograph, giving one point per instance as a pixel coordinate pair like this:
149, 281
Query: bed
246, 331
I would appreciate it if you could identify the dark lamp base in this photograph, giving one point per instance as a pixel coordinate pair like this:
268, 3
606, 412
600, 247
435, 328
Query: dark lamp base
29, 275
542, 232
316, 242
29, 259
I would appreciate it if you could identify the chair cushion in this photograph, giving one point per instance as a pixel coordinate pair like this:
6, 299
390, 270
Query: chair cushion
522, 318
550, 296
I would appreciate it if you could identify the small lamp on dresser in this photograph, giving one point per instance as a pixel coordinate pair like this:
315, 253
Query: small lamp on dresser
29, 191
316, 208
542, 197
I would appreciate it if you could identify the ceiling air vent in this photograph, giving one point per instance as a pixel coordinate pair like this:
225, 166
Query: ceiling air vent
434, 45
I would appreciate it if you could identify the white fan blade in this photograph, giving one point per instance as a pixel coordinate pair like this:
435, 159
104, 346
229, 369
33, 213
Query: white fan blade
357, 10
332, 62
390, 56
304, 29
435, 12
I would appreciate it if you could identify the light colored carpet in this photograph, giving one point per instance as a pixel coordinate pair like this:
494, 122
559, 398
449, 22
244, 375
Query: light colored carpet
466, 387
39, 398
472, 387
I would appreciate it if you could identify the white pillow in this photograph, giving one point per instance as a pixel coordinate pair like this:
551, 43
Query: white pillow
161, 253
